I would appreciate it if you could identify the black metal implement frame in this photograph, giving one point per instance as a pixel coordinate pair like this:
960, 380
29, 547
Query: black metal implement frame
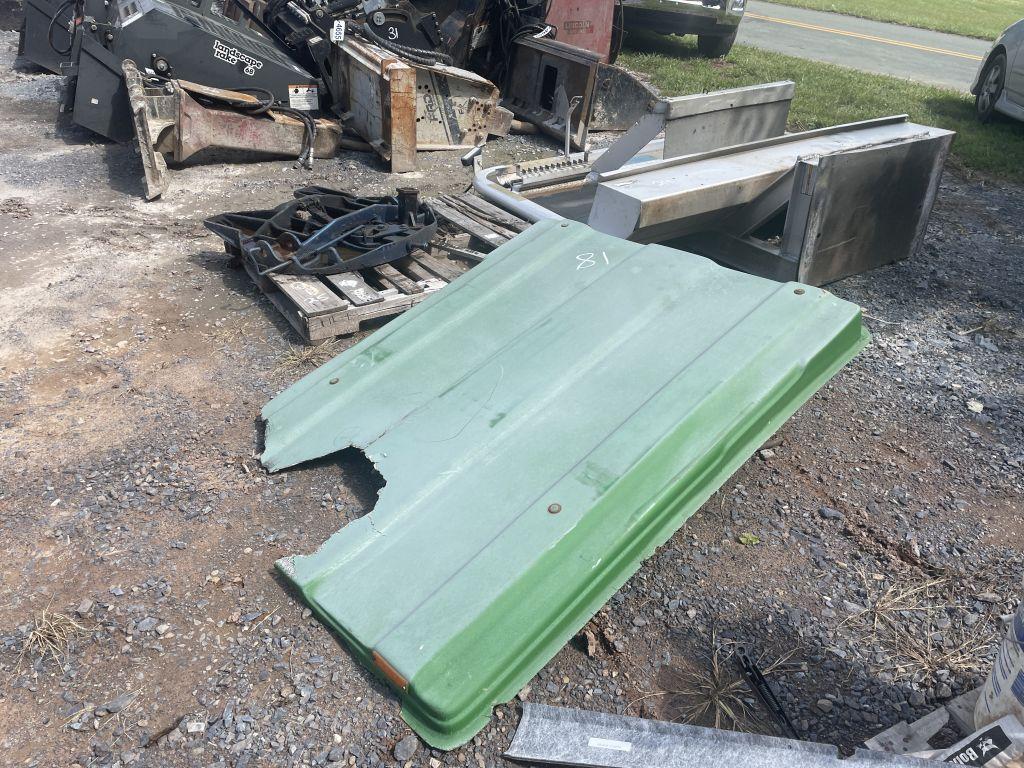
327, 232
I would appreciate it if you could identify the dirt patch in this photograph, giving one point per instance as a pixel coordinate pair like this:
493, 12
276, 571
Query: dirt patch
134, 361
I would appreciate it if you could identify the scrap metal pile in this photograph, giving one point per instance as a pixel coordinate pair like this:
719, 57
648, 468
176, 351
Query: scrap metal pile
291, 77
537, 435
631, 333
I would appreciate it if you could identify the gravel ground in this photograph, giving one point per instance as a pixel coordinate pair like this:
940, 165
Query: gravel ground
10, 14
882, 526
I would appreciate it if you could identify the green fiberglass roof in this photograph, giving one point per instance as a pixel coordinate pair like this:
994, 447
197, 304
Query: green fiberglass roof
542, 424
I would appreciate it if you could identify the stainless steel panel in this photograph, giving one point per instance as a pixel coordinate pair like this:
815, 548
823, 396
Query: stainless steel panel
723, 119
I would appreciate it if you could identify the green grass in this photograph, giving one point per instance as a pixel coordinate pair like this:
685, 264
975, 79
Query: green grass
829, 95
974, 18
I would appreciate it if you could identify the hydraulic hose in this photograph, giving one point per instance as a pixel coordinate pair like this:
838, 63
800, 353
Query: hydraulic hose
70, 30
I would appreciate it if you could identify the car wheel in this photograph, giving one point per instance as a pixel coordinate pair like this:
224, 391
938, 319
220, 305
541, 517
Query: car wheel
991, 88
715, 46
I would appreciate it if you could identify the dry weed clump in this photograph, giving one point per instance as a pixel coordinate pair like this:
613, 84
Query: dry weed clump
711, 691
902, 620
52, 635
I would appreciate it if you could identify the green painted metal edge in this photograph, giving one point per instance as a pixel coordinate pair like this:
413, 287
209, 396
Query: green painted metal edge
621, 383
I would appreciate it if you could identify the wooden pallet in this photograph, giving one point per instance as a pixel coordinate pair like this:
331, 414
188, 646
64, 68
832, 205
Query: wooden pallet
321, 308
486, 225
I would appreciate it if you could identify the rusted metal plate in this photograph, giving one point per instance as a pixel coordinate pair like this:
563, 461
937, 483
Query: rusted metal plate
400, 108
171, 125
583, 24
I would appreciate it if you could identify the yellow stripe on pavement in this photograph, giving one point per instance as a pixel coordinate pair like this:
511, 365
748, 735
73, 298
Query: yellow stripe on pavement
860, 36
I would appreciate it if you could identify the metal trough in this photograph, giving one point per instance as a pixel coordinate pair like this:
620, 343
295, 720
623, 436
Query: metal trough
780, 206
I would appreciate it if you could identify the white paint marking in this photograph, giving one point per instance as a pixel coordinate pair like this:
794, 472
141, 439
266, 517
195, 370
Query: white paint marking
618, 746
588, 260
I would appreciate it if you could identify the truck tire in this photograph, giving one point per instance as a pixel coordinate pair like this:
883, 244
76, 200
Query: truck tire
715, 46
991, 87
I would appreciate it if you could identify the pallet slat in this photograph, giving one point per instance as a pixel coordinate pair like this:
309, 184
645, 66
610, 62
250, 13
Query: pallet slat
286, 307
487, 236
438, 267
354, 288
493, 212
397, 279
310, 296
482, 219
413, 269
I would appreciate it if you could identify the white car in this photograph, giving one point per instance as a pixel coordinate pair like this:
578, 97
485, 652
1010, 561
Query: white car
999, 84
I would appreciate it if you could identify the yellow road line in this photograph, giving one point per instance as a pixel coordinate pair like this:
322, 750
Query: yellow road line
860, 36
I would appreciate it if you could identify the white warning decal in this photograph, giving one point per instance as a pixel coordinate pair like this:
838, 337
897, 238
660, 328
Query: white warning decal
303, 97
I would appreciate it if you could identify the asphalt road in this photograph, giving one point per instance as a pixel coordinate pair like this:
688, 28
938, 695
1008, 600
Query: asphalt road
929, 57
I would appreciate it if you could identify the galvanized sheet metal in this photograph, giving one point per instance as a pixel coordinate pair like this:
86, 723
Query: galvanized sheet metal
563, 736
542, 424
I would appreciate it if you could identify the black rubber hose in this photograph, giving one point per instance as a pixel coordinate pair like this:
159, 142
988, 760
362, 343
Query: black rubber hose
49, 30
309, 135
618, 32
309, 124
257, 109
